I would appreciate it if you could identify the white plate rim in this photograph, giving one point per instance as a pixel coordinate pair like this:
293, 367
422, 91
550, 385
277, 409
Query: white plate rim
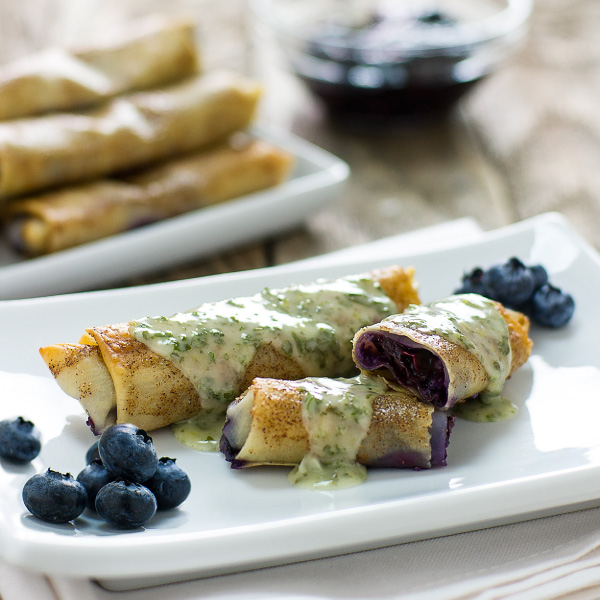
370, 523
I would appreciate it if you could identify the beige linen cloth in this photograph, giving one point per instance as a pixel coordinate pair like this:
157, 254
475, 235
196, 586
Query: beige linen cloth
549, 558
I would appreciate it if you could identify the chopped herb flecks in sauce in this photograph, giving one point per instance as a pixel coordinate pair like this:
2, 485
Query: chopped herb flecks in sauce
313, 324
336, 414
472, 322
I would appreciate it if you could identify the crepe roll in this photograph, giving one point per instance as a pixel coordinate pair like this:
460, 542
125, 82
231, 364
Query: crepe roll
332, 428
449, 350
155, 52
126, 132
162, 370
82, 213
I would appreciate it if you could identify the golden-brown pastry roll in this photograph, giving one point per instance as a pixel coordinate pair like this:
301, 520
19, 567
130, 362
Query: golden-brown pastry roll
449, 350
160, 370
330, 427
152, 53
126, 132
82, 213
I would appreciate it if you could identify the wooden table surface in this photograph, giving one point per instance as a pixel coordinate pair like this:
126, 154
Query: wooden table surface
523, 142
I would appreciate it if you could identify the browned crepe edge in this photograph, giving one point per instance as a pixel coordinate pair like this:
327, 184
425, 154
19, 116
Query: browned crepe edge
518, 336
151, 392
81, 372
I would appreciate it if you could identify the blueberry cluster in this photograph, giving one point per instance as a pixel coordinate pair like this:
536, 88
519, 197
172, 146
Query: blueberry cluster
19, 440
123, 480
524, 288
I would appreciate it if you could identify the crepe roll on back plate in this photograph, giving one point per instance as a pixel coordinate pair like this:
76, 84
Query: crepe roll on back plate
153, 52
124, 133
82, 213
333, 428
449, 350
159, 370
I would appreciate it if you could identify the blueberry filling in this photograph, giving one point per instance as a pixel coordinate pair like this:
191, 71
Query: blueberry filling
227, 448
441, 427
411, 366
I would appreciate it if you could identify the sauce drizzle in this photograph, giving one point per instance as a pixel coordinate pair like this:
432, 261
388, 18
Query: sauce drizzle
336, 415
312, 324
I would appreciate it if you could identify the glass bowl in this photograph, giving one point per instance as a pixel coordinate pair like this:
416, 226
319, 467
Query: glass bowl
389, 58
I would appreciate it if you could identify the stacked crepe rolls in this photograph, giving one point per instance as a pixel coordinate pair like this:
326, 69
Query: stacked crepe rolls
153, 52
286, 408
409, 421
150, 142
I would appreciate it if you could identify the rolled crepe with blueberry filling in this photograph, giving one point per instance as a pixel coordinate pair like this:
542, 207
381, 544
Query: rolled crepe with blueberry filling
124, 133
154, 52
449, 350
82, 213
160, 370
329, 427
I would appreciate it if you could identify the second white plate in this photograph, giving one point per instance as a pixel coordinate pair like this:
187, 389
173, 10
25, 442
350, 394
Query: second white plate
317, 178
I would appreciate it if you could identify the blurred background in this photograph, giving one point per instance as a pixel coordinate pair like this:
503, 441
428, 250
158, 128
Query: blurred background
523, 141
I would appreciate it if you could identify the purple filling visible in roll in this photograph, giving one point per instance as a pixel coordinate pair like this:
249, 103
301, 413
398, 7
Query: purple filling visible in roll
411, 365
441, 427
227, 448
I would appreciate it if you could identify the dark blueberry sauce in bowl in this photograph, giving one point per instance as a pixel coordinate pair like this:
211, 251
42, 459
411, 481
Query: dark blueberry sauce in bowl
389, 59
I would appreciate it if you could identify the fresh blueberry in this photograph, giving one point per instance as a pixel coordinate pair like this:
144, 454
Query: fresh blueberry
19, 440
92, 453
125, 505
170, 484
473, 283
511, 283
54, 497
93, 477
540, 276
551, 307
128, 452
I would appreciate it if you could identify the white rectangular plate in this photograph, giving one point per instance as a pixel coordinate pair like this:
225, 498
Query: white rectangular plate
317, 178
544, 461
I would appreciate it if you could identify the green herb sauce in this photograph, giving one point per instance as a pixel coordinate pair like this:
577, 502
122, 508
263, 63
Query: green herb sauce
314, 324
201, 432
485, 409
472, 322
336, 415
